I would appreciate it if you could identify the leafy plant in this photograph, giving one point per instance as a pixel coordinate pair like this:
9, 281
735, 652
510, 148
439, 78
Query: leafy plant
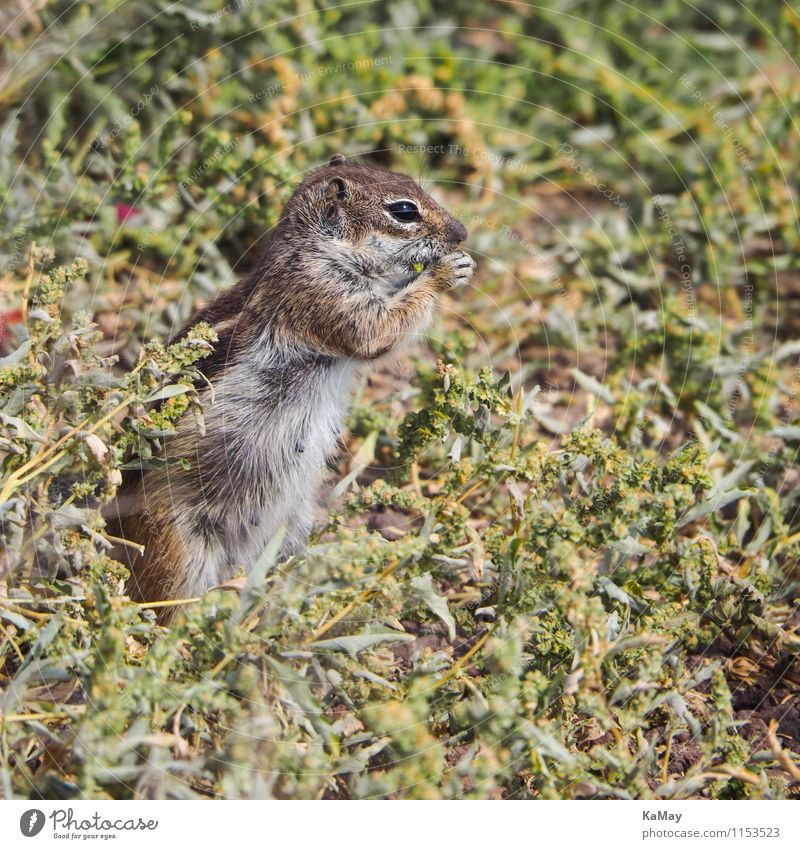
560, 560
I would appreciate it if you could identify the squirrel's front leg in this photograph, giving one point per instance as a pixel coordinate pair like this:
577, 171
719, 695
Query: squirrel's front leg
373, 329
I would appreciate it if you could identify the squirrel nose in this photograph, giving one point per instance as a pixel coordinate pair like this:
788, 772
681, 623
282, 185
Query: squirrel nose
456, 230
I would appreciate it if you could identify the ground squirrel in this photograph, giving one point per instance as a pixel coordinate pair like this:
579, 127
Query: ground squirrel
352, 269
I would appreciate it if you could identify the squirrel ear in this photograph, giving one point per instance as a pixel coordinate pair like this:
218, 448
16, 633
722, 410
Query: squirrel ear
336, 190
337, 159
335, 198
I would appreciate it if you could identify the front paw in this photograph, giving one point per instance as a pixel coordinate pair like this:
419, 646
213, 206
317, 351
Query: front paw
455, 269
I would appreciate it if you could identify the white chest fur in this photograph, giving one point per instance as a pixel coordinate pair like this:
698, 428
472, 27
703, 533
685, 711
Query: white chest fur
269, 432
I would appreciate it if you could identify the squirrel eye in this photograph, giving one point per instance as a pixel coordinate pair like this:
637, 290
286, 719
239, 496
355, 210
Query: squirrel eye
404, 210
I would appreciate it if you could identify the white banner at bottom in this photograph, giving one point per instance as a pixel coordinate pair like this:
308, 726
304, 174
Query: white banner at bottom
393, 825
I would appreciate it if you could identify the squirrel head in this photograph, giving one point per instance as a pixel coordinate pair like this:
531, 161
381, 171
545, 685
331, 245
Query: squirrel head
385, 219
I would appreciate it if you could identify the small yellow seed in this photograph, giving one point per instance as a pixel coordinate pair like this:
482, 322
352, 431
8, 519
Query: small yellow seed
418, 266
